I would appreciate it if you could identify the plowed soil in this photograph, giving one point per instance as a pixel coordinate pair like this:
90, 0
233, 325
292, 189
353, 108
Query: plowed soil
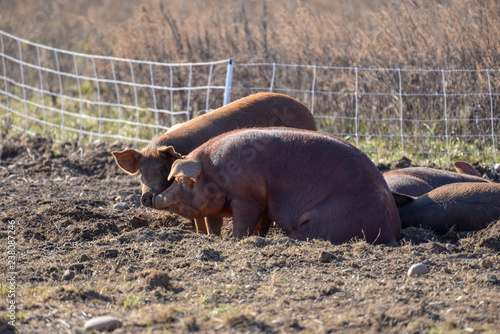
150, 269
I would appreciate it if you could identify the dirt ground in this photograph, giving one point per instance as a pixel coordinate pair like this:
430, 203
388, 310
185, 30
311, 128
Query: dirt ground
78, 257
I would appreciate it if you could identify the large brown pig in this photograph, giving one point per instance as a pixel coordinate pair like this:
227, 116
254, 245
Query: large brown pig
462, 206
312, 184
259, 110
416, 181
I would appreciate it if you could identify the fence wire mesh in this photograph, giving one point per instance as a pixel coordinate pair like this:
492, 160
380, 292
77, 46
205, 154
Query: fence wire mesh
431, 114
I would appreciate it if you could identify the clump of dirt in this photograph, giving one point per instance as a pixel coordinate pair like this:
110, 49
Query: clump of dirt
156, 279
487, 239
78, 257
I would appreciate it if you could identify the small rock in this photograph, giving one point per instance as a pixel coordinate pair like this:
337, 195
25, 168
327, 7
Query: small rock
418, 270
497, 168
7, 328
118, 199
76, 266
84, 258
209, 254
114, 241
68, 275
121, 206
259, 242
12, 167
485, 264
326, 257
104, 323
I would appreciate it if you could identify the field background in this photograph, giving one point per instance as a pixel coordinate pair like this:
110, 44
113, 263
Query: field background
79, 257
448, 34
428, 35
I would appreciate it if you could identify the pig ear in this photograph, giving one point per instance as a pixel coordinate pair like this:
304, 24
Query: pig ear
402, 199
187, 168
127, 160
465, 168
168, 152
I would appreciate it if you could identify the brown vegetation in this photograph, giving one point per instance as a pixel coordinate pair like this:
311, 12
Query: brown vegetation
446, 34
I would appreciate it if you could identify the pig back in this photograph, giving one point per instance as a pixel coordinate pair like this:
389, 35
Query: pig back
416, 181
462, 206
258, 110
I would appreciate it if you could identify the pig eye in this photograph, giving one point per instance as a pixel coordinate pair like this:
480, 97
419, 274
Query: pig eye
183, 180
164, 171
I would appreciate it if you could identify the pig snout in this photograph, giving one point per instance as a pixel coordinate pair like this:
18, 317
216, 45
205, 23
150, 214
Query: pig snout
147, 199
155, 201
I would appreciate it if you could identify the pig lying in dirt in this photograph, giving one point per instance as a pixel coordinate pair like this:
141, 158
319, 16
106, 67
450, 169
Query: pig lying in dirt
416, 181
462, 206
258, 110
312, 184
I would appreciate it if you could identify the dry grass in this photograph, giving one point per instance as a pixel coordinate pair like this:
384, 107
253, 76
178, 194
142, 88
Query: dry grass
429, 34
446, 34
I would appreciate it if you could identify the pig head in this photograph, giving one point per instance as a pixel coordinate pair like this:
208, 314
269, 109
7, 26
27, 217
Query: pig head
416, 181
154, 165
461, 206
190, 196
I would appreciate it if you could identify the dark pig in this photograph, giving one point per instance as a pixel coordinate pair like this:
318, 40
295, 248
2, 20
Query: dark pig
461, 206
416, 181
312, 184
258, 110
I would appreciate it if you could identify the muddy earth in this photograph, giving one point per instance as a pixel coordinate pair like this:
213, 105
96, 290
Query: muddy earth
85, 248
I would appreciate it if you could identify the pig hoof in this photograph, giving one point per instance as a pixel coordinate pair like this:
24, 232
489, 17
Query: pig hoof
147, 199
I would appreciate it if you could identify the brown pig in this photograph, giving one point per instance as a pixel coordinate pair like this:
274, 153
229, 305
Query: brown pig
312, 184
258, 110
416, 181
462, 206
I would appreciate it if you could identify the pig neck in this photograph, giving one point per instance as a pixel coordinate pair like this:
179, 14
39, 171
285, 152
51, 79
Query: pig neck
183, 141
196, 132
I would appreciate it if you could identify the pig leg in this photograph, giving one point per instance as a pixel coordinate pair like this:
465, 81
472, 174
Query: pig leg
213, 225
246, 217
200, 225
262, 226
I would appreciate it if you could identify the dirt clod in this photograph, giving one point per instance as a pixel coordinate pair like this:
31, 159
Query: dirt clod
157, 278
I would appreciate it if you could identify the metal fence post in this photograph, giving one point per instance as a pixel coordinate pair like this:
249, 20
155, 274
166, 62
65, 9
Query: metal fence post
229, 79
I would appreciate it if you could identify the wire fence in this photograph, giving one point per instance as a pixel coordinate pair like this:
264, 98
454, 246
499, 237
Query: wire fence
432, 114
